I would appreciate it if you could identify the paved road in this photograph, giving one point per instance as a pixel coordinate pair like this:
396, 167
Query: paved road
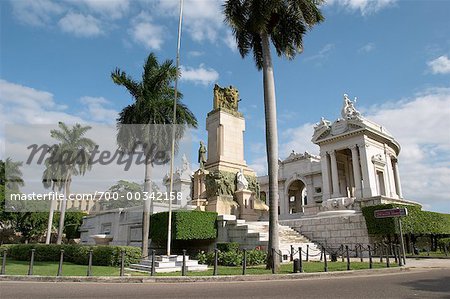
417, 283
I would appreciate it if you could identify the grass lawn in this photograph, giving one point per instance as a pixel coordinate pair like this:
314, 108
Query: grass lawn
308, 267
14, 267
433, 254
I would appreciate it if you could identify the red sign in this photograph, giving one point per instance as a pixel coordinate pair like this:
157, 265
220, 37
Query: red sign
389, 213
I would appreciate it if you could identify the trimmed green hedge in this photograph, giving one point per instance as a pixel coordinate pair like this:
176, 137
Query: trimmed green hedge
417, 222
101, 256
186, 225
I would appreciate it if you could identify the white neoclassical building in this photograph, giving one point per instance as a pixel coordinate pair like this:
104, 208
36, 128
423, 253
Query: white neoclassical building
357, 166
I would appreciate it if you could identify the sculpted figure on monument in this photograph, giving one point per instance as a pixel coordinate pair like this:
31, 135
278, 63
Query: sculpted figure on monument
242, 183
226, 97
202, 155
348, 110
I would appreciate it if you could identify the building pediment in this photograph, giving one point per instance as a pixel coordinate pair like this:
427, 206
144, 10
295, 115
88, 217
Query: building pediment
340, 127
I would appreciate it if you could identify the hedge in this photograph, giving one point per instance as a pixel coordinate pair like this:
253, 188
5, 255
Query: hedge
417, 222
102, 255
186, 225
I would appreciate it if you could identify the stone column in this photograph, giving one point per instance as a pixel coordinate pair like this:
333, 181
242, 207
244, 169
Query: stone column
326, 192
356, 171
334, 174
368, 190
398, 186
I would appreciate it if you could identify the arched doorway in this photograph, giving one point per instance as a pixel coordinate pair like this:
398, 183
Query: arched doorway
297, 197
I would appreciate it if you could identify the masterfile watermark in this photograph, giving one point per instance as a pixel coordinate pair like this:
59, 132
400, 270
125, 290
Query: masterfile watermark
125, 165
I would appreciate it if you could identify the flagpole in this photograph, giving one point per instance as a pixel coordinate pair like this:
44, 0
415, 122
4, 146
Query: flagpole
169, 225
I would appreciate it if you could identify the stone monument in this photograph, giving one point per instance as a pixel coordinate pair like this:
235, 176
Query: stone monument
224, 183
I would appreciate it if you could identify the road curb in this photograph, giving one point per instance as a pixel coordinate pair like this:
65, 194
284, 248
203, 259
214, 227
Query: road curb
187, 279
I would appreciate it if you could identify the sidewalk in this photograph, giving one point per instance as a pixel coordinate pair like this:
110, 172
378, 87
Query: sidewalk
427, 263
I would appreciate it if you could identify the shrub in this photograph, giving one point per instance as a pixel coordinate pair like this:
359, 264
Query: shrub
228, 246
256, 257
206, 258
186, 225
78, 254
444, 242
230, 258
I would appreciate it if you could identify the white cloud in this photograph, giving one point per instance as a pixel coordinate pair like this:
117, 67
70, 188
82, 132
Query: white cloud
114, 9
144, 32
202, 18
21, 104
440, 65
196, 53
421, 127
297, 139
200, 75
259, 165
365, 7
322, 54
230, 41
35, 12
369, 47
95, 108
80, 25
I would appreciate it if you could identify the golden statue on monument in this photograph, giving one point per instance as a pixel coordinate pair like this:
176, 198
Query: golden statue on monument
226, 97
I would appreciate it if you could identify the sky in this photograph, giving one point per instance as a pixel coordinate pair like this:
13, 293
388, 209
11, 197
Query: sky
56, 58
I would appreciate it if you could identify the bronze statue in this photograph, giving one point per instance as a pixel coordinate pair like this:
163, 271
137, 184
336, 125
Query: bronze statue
226, 97
202, 155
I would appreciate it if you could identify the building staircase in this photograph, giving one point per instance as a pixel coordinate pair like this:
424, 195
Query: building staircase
255, 234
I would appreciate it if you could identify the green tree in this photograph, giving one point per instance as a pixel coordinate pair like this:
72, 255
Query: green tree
73, 157
72, 222
126, 193
256, 23
12, 175
52, 177
153, 104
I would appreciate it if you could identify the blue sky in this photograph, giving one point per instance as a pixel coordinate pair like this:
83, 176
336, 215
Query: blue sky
56, 58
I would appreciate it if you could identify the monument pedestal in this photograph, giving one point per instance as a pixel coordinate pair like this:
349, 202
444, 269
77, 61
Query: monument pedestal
250, 208
222, 204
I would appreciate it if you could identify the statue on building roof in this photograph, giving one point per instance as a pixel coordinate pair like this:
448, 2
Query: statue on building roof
226, 97
348, 110
323, 123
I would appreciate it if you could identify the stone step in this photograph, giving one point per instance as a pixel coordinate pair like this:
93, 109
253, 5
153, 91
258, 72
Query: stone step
145, 268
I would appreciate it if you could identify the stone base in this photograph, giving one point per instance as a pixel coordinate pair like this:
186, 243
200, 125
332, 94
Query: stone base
349, 229
249, 208
222, 204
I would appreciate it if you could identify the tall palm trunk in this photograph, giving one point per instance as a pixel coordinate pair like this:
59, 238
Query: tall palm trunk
146, 211
62, 215
50, 217
270, 109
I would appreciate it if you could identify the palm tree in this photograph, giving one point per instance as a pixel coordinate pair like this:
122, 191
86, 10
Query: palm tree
152, 106
72, 157
254, 24
52, 177
12, 175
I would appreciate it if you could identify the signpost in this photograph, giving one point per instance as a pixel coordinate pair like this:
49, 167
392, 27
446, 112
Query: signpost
395, 213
